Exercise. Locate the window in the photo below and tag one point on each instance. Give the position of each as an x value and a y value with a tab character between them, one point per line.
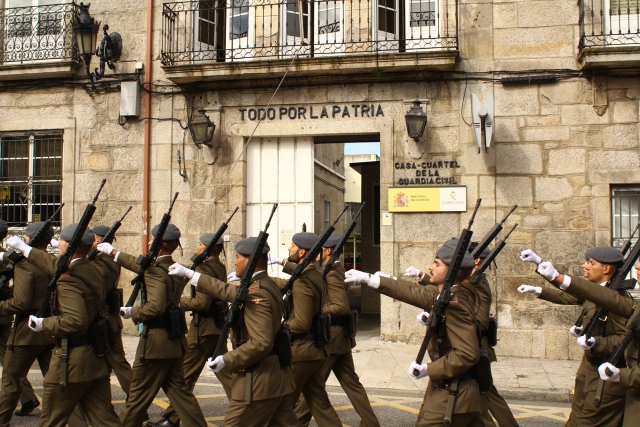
240	29
30	177
327	214
621	17
624	213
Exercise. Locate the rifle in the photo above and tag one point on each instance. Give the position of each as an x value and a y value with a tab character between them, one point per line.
145	261
338	249
308	259
64	260
437	316
15	258
199	259
475	278
625	248
243	289
108	238
492	234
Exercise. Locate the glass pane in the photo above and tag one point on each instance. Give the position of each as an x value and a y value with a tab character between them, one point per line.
422	14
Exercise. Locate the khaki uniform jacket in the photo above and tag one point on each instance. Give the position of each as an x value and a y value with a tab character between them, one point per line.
162	290
29	289
461	347
305	302
261	319
75	307
212	267
337	305
7	319
111	272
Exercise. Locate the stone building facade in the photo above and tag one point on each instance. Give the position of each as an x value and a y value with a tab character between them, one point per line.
565	125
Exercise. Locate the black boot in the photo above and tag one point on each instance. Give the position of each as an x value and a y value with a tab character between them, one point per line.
27	407
164	422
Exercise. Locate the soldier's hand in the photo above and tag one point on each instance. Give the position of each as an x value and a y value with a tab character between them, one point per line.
35	323
528	288
412	272
19	244
106	248
54	243
615	372
356	276
216	364
125	312
422	318
274	259
586	344
529	256
231	277
422	370
180	270
575	330
388	276
547	270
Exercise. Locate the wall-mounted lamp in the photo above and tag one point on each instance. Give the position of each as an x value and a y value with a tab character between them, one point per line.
108	52
338	160
416	120
201	128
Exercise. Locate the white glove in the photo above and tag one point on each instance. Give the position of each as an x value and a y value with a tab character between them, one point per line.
603	374
356	276
547	270
19	244
231	277
37	323
381	274
105	248
125	312
273	260
412	272
180	270
586	344
216	364
575	331
422	318
54	243
528	288
529	256
422	369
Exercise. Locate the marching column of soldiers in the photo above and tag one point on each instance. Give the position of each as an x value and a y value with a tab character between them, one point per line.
287	336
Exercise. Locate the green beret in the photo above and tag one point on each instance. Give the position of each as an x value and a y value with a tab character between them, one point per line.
101	230
333	240
446	252
3	226
604	254
34	227
305	240
171	233
206	238
67	233
246	246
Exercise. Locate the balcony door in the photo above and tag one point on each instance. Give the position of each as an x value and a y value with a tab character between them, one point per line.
422	23
386	25
622	21
209	19
240	31
292	42
329	27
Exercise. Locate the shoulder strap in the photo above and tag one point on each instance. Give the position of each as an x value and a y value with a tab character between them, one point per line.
93	291
278	300
319	290
169	280
109	266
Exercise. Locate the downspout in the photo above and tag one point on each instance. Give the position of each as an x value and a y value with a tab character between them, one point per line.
147	130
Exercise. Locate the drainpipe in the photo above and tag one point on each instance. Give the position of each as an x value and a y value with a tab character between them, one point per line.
147	130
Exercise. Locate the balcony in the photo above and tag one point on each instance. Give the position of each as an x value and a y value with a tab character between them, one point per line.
610	34
242	40
37	42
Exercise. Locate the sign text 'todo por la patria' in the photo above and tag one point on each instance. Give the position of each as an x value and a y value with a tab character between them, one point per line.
293	112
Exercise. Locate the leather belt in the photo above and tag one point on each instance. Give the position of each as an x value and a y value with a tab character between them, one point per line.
157	323
339	321
80	341
596	361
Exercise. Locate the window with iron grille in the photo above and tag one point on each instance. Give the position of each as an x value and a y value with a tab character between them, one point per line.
625	201
30	177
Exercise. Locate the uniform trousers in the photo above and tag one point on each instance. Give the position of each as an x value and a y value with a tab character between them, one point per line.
345	371
18	362
94	397
276	412
148	378
609	413
632	408
27	393
499	409
577	401
431	419
311	384
194	362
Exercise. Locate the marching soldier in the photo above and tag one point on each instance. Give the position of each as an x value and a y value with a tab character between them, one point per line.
263	397
340	360
460	350
25	346
27	397
208	332
308	296
78	299
159	358
600	264
111	272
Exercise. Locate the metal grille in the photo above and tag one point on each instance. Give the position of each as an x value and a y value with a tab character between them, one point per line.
609	22
30	177
240	30
625	202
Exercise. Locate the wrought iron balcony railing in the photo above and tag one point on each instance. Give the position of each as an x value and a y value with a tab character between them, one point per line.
37	33
609	23
241	30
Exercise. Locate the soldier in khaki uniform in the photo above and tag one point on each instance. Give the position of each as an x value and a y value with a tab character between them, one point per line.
208	332
25	346
340	360
75	307
27	397
159	360
600	264
308	296
461	349
261	398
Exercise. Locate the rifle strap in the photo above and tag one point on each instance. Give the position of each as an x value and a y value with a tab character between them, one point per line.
64	362
319	290
93	290
109	266
451	401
